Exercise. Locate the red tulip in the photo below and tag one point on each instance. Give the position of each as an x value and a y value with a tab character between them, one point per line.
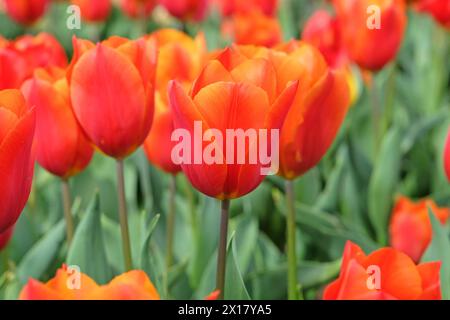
230	7
26	11
112	92
370	45
439	9
13	66
385	274
5	236
232	92
61	146
16	159
253	28
410	227
93	10
189	53
138	8
447	156
186	9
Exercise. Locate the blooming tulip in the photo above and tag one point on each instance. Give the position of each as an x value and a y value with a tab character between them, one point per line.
371	39
447	156
133	285
16	159
385	274
186	9
93	11
253	28
230	7
138	8
26	11
189	53
61	146
5	236
439	9
410	227
112	88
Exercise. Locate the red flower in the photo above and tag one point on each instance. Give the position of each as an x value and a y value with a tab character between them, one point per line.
61	146
186	9
410	226
447	156
370	45
439	9
16	160
138	8
385	274
93	10
26	11
230	7
112	92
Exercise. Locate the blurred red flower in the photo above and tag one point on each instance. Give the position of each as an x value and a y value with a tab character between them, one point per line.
61	146
186	9
447	156
439	9
230	7
26	11
93	10
138	8
385	274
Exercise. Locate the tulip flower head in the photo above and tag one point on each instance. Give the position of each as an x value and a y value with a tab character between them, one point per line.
447	156
61	146
186	9
112	92
138	8
93	11
410	227
17	124
231	7
385	274
26	11
438	9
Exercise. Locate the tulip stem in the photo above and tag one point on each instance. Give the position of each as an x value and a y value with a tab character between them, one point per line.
67	204
123	216
171	220
376	116
291	250
222	254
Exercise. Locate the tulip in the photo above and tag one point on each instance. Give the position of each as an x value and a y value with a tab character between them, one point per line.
138	8
133	285
13	67
253	28
61	146
5	236
93	11
447	156
26	11
16	159
186	9
385	274
438	9
410	226
112	93
370	45
231	7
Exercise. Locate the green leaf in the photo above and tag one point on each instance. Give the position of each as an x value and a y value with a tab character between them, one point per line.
87	249
40	257
234	283
383	183
439	250
144	252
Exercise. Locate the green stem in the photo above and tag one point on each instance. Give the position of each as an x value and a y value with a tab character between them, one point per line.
123	216
376	116
222	254
171	221
291	250
67	204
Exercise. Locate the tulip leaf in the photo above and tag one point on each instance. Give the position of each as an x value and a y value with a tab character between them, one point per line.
40	257
234	283
144	252
87	250
439	250
383	183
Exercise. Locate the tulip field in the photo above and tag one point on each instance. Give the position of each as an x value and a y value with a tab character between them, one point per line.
225	149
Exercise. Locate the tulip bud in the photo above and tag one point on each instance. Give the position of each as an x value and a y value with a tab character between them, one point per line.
93	11
26	11
138	8
438	9
16	160
61	146
186	9
112	92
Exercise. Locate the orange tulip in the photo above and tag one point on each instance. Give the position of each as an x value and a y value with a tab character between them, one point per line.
5	236
112	92
439	9
138	8
253	28
188	53
232	92
133	285
369	44
385	274
410	227
93	11
61	146
26	11
186	9
230	7
16	159
447	156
